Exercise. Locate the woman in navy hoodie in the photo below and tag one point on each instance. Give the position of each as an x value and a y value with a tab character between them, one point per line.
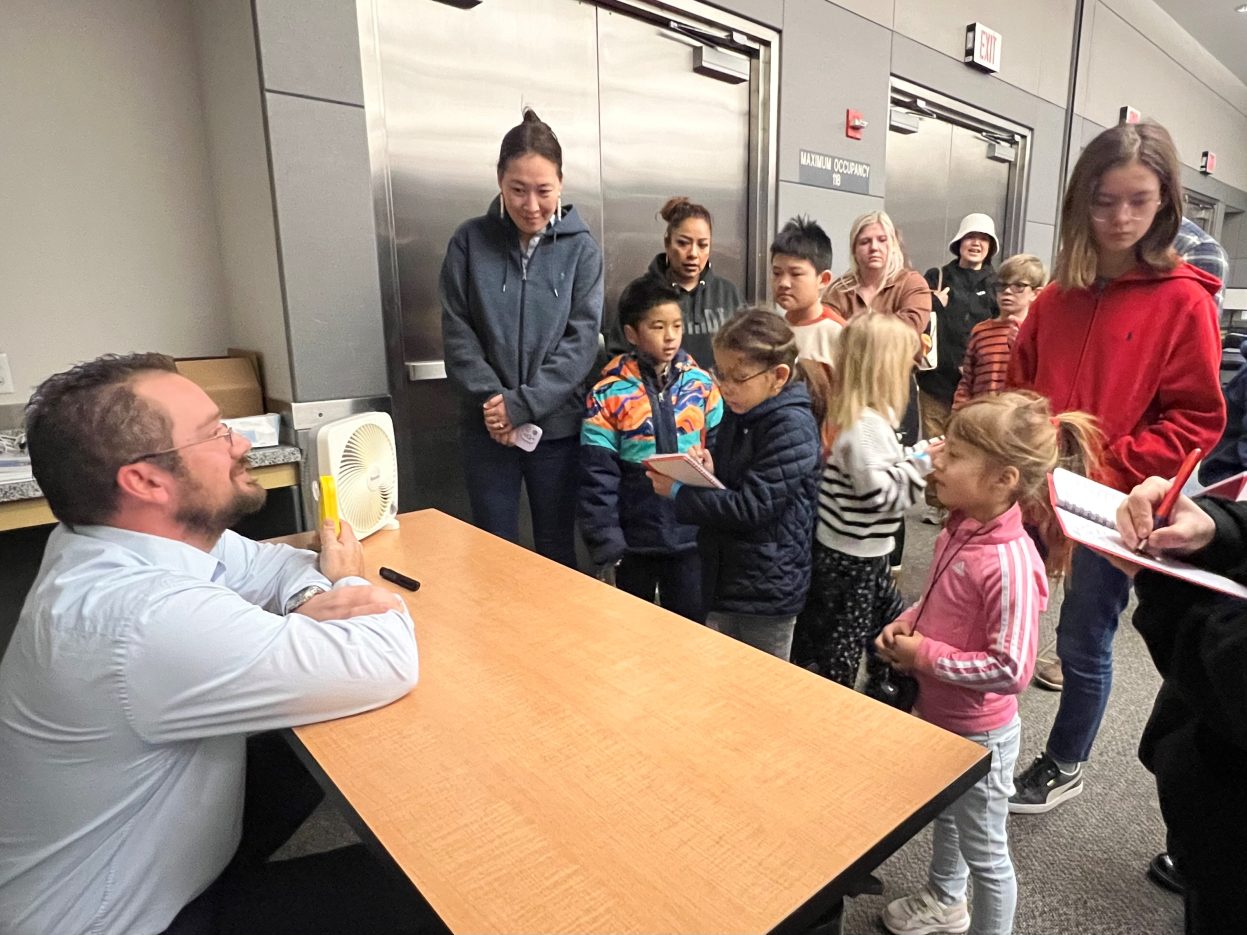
521	293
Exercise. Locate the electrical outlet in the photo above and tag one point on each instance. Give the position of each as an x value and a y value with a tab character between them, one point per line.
6	375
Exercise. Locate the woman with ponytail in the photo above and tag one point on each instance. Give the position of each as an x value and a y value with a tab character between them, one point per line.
521	292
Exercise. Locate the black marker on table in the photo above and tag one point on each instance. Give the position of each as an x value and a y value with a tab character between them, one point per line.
389	574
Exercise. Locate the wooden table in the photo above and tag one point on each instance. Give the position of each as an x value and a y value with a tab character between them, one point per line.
577	760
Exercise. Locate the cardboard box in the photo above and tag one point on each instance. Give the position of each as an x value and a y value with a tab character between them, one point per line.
231	383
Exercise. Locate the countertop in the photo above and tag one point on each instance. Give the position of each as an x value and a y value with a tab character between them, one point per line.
257	457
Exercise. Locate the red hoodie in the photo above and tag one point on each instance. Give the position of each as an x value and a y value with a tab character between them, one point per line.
1142	355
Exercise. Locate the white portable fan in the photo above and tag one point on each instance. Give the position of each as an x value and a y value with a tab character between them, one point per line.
358	452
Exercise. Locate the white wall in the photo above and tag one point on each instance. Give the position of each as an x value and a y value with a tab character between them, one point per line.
108	240
234	118
1139	56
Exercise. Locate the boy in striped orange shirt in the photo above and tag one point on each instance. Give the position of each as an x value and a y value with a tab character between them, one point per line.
986	362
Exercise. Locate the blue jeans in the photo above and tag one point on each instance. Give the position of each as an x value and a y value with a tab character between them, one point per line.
549	474
971	839
1096	595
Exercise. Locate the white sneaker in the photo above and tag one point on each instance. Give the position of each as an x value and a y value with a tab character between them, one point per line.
934	515
922	912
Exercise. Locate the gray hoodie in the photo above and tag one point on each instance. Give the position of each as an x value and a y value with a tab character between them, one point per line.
530	335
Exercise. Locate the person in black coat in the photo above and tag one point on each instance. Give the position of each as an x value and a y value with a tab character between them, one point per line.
756	534
706	298
1195	742
963	295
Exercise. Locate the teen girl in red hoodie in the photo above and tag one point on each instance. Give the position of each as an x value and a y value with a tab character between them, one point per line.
1128	333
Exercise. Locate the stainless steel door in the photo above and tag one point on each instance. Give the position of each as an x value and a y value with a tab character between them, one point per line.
443	86
917	189
667	130
937	176
637	125
454	81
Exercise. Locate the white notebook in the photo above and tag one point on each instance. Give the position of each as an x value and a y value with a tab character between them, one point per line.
684	468
1087	513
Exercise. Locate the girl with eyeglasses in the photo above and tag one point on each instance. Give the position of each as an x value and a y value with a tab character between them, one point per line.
754	534
1129	333
986	361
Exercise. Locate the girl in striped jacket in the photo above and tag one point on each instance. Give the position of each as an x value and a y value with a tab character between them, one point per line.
867	483
971	640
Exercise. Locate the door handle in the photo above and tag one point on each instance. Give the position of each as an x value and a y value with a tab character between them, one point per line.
419	370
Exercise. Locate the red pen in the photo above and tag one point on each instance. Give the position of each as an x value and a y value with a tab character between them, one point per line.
1161	517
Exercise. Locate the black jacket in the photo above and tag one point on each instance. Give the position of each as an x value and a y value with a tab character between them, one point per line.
705	308
971	299
756	536
1198	640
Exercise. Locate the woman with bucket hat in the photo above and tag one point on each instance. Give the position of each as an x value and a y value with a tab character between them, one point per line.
962	295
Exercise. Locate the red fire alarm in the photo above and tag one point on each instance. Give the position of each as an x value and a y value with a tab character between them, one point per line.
854	124
1208	164
1127	114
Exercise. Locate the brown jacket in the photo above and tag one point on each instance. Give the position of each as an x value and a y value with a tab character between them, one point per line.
907	296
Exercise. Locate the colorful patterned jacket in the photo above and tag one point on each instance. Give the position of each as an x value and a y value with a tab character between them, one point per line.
628	418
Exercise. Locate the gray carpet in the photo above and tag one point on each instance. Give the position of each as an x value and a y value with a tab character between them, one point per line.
1080	867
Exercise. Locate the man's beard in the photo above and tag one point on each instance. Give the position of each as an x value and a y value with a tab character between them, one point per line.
197	517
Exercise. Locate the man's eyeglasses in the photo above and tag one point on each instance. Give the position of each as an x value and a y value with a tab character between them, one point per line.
1016	288
223	432
724	380
1136	208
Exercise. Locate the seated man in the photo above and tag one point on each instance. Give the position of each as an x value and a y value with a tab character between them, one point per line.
151	644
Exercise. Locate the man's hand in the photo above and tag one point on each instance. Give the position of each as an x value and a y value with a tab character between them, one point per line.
340	555
1189	528
354	601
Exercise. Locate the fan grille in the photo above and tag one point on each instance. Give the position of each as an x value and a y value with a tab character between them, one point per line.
367	477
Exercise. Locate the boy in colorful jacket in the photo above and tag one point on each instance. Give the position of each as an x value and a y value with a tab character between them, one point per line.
653	399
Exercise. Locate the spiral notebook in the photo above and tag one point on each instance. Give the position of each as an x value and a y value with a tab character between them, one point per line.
1087	513
684	468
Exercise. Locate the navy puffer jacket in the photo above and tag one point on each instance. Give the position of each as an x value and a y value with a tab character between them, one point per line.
756	536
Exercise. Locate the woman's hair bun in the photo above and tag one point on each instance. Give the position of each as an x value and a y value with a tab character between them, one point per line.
673	204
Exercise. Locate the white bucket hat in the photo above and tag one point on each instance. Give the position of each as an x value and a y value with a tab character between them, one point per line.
976	224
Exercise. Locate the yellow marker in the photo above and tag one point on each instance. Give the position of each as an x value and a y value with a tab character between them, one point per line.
329	502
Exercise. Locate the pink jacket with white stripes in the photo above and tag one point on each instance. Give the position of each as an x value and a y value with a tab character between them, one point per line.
979	617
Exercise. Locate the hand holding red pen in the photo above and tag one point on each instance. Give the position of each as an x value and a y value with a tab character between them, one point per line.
1165	510
1188	528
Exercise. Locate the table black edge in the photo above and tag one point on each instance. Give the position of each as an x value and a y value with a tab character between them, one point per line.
358	825
806	916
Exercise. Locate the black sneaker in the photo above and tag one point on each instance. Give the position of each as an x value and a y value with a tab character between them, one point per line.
1042	786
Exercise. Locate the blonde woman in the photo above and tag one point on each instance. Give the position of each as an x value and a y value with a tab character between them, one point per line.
879	279
867	484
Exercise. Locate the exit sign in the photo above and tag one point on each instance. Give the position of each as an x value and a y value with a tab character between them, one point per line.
982	48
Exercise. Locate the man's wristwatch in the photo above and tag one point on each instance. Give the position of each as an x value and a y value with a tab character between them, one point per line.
299	598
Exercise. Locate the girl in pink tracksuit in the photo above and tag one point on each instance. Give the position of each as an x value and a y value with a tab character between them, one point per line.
971	640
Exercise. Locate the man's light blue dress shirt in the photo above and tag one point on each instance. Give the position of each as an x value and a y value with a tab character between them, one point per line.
136	670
